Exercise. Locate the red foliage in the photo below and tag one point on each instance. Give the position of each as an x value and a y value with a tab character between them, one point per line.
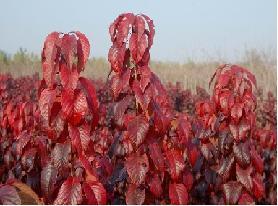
131	140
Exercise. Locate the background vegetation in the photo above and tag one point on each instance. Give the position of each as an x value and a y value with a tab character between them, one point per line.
190	73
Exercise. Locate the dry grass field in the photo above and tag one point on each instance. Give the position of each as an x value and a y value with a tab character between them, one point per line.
190	73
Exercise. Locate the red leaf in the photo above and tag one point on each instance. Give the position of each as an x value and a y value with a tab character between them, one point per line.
139	25
155	186
244	127
193	155
92	99
246	199
207	150
142	99
123	28
48	179
88	168
151	30
48	73
45	104
184	129
145	75
120	109
257	161
94	192
116	58
243	176
178	194
28	159
135	195
80	107
137	167
175	162
137	46
187	179
69	48
120	82
83	50
23	140
242	154
70	192
67	103
157	156
161	118
69	78
258	187
232	191
225	168
49	49
60	155
236	111
137	130
75	138
84	131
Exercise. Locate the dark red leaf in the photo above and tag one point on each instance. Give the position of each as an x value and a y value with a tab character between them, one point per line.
178	194
242	154
80	107
187	179
139	25
69	48
45	103
70	192
193	155
48	72
23	140
243	176
155	185
94	192
258	187
142	99
232	191
175	162
151	30
137	46
184	129
83	50
246	199
92	99
120	109
49	49
137	130
236	111
145	75
67	103
137	166
28	159
84	131
135	195
157	156
69	78
225	168
257	161
207	150
48	179
75	138
60	155
116	58
90	173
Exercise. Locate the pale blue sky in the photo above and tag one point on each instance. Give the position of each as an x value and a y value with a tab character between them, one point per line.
184	28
